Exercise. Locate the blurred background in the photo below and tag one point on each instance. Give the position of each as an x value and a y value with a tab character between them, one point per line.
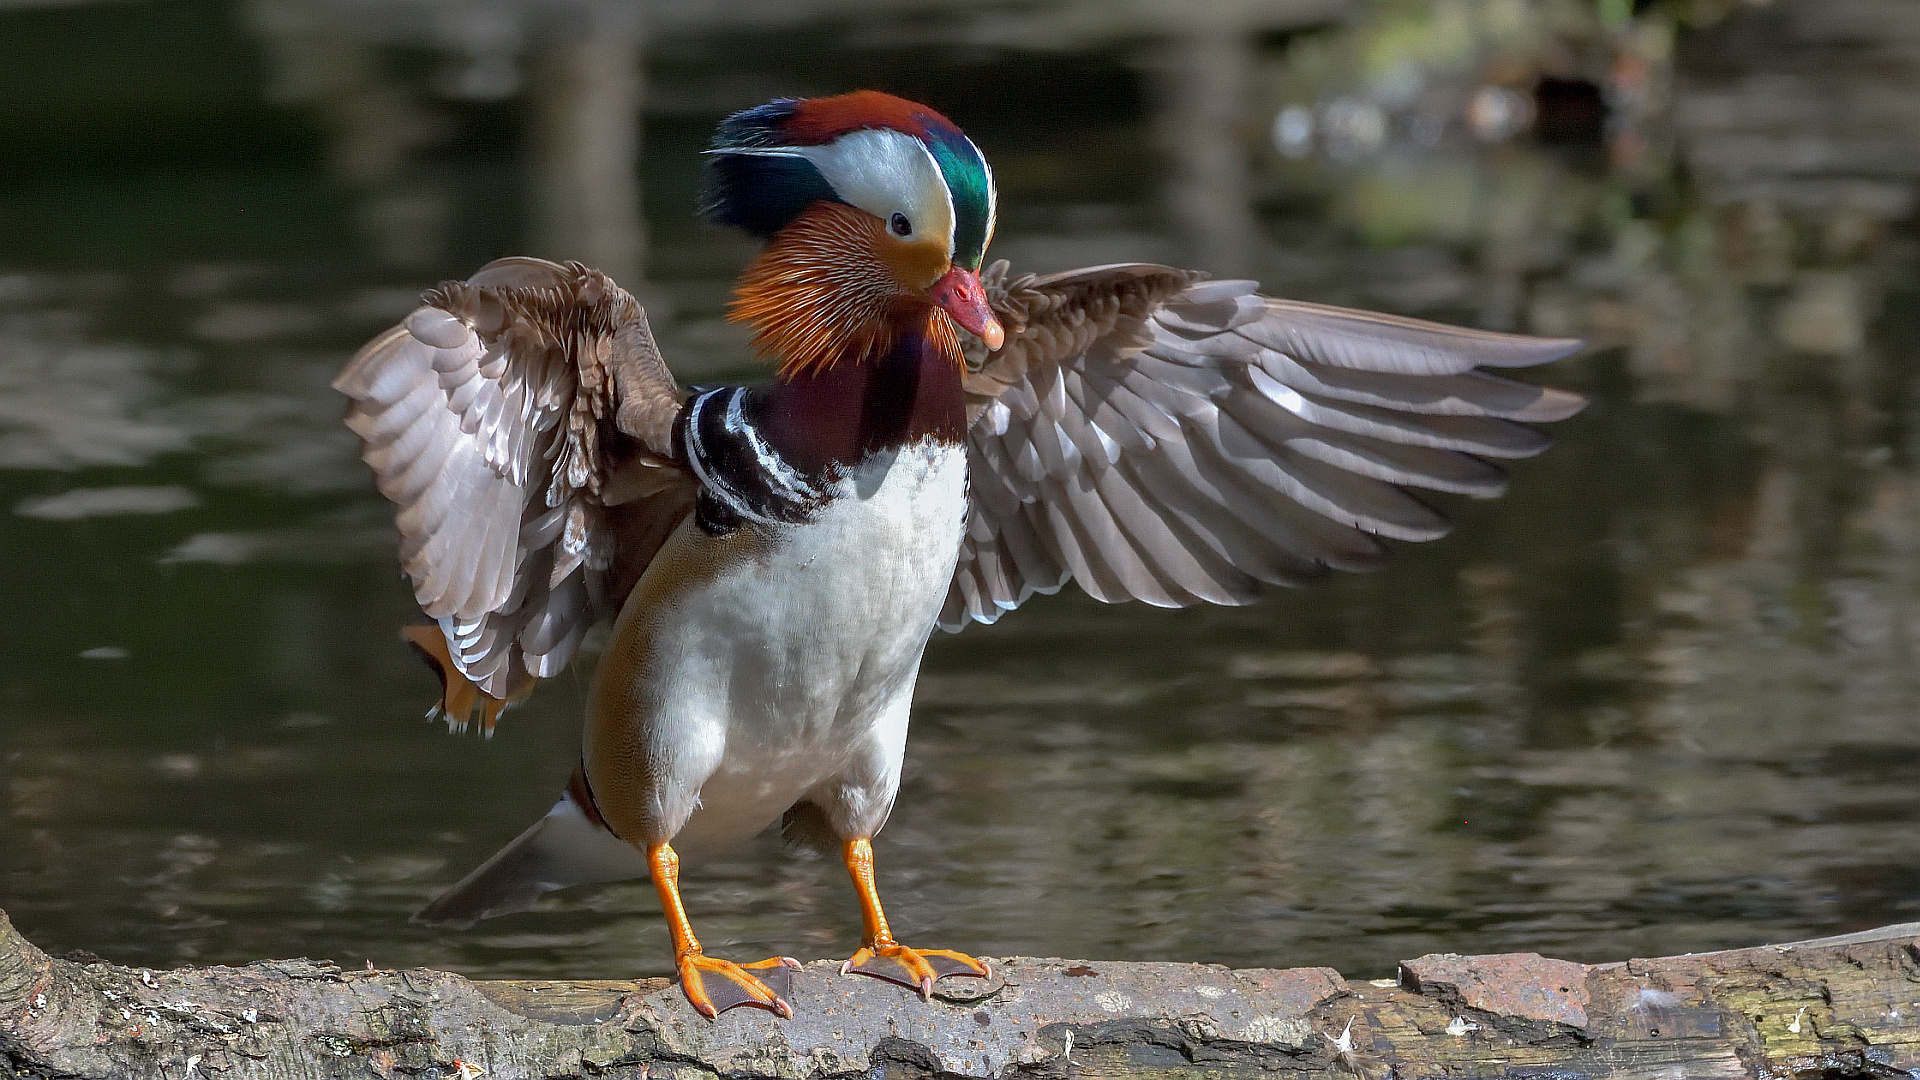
1662	697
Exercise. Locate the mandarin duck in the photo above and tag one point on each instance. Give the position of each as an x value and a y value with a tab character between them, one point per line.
939	443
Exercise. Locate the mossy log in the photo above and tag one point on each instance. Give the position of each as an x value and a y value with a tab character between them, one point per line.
1837	1007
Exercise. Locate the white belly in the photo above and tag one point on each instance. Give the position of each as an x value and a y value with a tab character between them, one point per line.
790	673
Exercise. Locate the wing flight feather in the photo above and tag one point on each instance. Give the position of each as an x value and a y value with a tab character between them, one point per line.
507	418
1160	437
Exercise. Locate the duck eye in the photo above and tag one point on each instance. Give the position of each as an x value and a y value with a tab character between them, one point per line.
900	225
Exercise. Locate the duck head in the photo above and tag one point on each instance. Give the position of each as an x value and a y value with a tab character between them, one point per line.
876	212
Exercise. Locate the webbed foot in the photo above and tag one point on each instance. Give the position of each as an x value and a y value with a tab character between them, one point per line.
915	968
713	985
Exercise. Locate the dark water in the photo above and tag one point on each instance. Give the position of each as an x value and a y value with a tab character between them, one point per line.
1661	697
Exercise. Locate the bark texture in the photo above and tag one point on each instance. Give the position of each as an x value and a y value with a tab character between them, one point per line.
1837	1007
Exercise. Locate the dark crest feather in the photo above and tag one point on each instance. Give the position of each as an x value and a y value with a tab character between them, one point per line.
755	127
754	192
760	193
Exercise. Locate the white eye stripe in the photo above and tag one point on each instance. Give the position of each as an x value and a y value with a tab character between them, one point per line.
883	172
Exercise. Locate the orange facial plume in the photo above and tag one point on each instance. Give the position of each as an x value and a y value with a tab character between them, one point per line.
822	293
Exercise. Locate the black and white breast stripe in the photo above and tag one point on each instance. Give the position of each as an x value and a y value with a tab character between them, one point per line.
742	479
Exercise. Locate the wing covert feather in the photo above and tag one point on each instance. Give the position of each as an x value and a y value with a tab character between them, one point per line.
1161	437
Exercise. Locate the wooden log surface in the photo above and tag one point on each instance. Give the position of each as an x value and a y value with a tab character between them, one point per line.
1836	1007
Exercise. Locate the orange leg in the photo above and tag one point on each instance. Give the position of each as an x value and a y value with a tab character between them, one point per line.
880	955
735	984
459	697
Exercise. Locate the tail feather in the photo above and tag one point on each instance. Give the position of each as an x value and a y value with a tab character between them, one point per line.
567	847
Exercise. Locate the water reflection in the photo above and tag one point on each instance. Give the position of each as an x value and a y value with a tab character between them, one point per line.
1659	698
69	402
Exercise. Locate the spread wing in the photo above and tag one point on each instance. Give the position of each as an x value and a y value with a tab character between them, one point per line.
1159	437
513	419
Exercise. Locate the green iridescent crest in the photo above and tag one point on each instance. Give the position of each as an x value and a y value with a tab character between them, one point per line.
971	183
